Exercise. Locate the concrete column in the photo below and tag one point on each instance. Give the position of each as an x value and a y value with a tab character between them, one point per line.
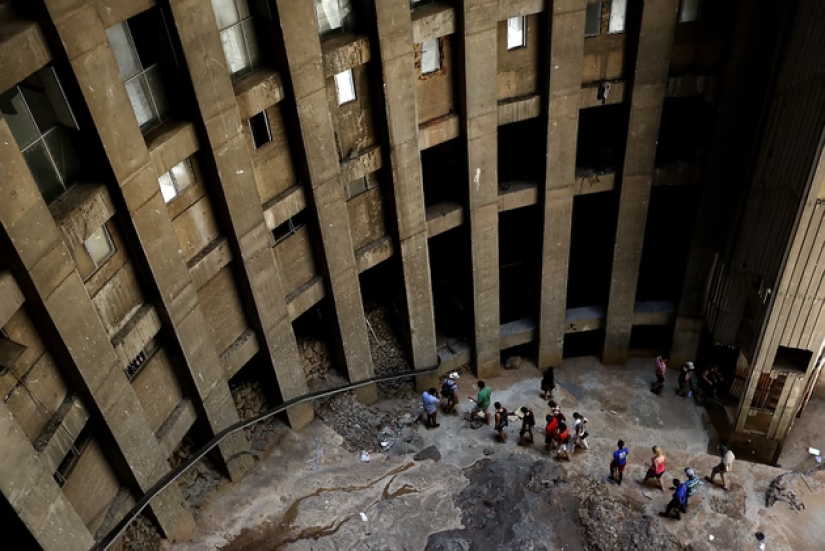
239	200
566	22
479	101
306	69
646	100
45	271
34	495
83	36
398	68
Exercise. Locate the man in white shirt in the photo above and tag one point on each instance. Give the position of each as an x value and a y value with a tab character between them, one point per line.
722	468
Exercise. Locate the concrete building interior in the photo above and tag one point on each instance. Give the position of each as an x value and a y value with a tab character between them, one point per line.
199	197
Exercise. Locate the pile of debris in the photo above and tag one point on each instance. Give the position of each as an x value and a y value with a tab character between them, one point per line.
317	359
386	351
200	480
250	399
781	489
140	535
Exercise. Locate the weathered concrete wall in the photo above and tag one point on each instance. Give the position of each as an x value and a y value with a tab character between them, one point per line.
91	486
222	309
272	163
519	69
435	92
295	254
366	217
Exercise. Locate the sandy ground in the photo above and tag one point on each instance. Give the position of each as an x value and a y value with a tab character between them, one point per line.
309	493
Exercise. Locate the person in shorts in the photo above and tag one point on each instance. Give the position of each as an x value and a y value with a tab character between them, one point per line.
562	437
501	421
579	434
657	468
722	468
449	391
482	401
660	371
528	421
430	401
618	463
548	383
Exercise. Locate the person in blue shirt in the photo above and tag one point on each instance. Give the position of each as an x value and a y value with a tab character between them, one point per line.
618	464
691	484
677	501
430	400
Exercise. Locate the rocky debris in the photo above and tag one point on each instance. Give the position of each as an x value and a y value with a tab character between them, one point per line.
513	362
430	452
318	365
200	480
141	535
781	489
387	352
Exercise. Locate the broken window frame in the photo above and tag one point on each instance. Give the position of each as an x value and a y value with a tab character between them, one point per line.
169	181
261	122
434	56
516	32
141	359
64	470
595	28
288	228
348	80
236	27
689	11
618	17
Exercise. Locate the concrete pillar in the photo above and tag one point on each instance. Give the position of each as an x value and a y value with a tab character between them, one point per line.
304	60
398	68
566	22
479	102
34	495
46	274
646	100
83	36
238	198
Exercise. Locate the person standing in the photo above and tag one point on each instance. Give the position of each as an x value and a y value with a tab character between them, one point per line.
711	380
528	421
677	502
722	468
482	401
548	382
660	372
562	437
579	435
430	400
550	430
685	373
618	464
449	390
657	467
501	421
691	484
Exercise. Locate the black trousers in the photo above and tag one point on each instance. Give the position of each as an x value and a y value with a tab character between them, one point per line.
674	504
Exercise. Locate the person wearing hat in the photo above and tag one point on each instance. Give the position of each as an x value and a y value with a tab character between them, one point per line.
684	380
722	468
691	484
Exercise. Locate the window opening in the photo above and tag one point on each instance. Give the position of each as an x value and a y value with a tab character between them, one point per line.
99	246
345	87
68	464
593	19
44	127
289	227
516	32
261	133
140	359
430	56
238	37
178	178
359	186
618	13
333	16
689	10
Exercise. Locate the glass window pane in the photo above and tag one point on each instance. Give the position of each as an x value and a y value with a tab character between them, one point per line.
261	134
234	49
139	96
345	87
20	122
99	245
40	107
182	174
516	32
618	11
593	21
251	43
331	14
689	10
59	143
167	187
121	43
225	13
57	97
155	80
43	171
430	56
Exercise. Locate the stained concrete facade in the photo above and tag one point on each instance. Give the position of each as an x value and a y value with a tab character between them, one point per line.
512	178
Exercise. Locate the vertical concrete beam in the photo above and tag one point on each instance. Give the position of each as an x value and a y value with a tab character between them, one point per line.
240	201
398	68
47	274
83	36
34	495
306	68
479	101
646	101
566	22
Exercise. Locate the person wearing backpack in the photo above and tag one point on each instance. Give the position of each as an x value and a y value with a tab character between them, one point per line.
501	421
449	390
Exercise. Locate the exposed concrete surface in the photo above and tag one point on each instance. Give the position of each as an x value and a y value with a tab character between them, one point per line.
807	432
308	492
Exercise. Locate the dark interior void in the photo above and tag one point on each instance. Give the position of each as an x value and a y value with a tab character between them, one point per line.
14	530
587	343
602	137
379	285
685	131
522	151
591	249
527	350
651	338
444	171
319	323
519	237
452	280
670	219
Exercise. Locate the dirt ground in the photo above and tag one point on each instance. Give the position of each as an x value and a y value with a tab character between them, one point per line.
309	493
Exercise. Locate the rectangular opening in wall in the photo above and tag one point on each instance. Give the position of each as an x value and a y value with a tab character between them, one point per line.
685	131
69	462
602	138
650	340
592	237
792	359
522	151
261	133
593	19
618	14
586	343
345	87
333	17
430	56
451	274
689	10
516	32
178	178
289	227
443	170
519	263
238	36
314	336
357	187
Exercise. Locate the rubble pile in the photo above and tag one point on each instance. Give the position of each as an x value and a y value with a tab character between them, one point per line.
141	535
200	480
317	360
387	353
250	399
781	489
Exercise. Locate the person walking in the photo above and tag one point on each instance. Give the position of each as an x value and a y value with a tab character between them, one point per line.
562	437
548	382
528	421
430	400
657	467
550	430
677	502
691	484
685	373
660	372
722	468
482	401
501	421
711	380
618	463
579	435
449	390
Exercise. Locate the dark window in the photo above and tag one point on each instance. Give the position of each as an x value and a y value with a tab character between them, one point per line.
359	186
289	227
261	134
593	20
69	462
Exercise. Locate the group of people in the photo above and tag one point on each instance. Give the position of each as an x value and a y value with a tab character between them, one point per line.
709	383
682	491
